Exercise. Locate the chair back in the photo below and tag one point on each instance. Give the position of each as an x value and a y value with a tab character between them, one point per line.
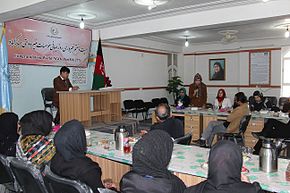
128	104
47	94
273	100
139	104
156	101
282	101
149	105
163	100
57	184
185	140
6	176
244	124
28	176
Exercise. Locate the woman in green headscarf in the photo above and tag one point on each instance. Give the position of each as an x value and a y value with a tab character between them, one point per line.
182	98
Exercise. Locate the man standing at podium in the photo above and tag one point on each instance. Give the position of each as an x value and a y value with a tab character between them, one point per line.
61	83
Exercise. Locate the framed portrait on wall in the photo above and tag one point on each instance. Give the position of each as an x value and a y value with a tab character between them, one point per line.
217	69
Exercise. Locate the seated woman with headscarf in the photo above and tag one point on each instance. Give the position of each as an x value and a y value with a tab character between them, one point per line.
8	134
70	160
224	172
221	101
34	144
182	98
150	161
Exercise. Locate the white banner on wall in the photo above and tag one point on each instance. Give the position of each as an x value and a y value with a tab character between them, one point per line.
260	68
15	75
79	76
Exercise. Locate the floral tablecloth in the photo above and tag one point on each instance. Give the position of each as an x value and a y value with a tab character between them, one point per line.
188	160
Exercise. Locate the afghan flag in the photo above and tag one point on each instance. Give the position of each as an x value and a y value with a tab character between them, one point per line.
99	73
5	83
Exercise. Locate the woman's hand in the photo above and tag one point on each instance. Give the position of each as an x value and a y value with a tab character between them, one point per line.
245	178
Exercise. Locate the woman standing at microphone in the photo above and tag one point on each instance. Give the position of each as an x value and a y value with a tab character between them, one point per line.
198	92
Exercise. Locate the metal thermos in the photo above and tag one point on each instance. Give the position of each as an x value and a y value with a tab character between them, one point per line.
268	157
120	134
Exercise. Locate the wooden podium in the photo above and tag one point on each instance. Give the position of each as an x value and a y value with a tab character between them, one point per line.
83	105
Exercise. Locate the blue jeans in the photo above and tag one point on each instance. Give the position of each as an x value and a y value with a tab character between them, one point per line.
213	128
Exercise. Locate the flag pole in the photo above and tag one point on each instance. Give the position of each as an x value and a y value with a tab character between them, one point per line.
2	32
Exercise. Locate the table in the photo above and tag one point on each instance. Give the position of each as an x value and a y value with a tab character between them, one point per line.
105	105
185	163
196	121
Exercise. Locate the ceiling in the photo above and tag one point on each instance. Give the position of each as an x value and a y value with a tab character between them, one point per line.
250	30
116	12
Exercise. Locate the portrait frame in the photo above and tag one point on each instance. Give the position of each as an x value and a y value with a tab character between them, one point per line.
220	75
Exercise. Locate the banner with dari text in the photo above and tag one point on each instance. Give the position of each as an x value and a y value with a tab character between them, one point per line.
42	43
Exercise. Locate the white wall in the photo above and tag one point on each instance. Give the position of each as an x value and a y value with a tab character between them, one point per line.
27	96
237	66
130	69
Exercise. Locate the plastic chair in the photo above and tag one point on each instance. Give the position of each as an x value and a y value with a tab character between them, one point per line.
163	100
28	176
57	184
238	138
129	107
6	175
156	101
272	99
148	106
185	140
140	107
282	101
47	96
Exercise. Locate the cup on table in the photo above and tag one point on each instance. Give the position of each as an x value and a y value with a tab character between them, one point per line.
105	143
127	146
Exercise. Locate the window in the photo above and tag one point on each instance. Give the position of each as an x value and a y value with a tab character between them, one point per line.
286	77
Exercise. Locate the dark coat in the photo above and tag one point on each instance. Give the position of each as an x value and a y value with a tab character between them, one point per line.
173	127
200	99
60	85
134	183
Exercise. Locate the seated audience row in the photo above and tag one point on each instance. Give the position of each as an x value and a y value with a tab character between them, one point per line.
67	153
150	174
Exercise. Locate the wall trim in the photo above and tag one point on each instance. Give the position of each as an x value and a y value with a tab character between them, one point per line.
241	86
209	86
231	52
134	49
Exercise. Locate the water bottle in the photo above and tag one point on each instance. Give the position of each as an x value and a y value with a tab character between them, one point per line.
120	135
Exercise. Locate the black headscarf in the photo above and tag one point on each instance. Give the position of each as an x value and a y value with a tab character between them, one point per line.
70	160
152	154
70	140
225	164
224	172
36	123
8	133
